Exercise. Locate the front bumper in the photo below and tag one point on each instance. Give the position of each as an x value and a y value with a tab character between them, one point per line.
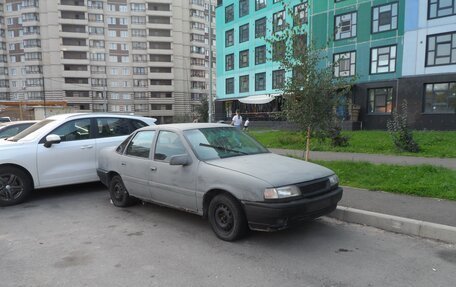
270	216
103	175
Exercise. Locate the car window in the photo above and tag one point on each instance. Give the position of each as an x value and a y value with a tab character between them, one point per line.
120	149
74	130
113	127
9	131
30	130
168	145
140	145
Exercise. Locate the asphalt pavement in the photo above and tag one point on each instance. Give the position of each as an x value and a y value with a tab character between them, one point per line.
412	215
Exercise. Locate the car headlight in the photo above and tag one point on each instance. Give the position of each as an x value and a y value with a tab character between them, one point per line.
281	192
333	180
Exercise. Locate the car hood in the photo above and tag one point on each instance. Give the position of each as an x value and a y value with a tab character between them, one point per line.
275	169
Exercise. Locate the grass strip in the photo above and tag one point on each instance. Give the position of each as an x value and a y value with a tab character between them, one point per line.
420	180
432	143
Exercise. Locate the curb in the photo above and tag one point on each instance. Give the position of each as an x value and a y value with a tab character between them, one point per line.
396	224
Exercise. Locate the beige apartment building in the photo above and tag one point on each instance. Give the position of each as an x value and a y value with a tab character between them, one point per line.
147	57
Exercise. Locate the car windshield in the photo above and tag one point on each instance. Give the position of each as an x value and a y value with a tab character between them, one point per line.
222	142
30	130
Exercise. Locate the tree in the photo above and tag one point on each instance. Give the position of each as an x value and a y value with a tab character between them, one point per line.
399	130
203	110
311	93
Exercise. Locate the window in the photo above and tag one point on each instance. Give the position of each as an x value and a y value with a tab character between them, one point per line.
299	44
244	84
278	79
229	38
278	21
441	49
243	33
229	62
441	8
114	127
168	145
345	26
260	55
243	7
383	60
440	98
244	59
140	145
345	64
300	14
380	101
278	50
260	4
260	28
229	86
260	81
74	130
229	13
384	18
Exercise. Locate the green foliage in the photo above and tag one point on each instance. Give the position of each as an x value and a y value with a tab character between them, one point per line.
400	133
203	110
420	180
432	143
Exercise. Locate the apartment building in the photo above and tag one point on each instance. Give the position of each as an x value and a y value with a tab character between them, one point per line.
395	50
148	57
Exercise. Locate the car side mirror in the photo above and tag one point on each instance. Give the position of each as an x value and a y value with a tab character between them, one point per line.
181	159
52	139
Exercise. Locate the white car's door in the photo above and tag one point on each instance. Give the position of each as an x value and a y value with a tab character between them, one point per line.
71	161
135	165
174	185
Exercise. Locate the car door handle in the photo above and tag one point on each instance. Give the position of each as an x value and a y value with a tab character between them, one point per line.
86	146
153	168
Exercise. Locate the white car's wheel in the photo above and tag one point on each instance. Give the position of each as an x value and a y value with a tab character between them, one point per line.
15	186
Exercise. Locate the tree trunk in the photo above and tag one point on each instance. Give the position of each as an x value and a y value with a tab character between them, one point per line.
308	144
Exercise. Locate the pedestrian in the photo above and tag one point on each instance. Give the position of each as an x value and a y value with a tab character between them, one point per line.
237	120
246	125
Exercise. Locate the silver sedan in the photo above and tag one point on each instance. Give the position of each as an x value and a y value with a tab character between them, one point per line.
218	172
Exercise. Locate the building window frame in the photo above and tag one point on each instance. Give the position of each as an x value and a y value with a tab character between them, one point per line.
244	84
349	67
278	21
353	24
229	62
244	33
260	4
380	98
260	55
243	58
300	15
260	81
229	38
435	4
377	12
432	48
229	13
260	27
243	8
375	59
278	79
433	97
229	86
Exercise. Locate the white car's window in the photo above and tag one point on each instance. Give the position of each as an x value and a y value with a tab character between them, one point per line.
113	127
30	130
215	143
74	130
141	144
168	145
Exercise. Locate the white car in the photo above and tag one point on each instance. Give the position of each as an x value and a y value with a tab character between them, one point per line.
59	150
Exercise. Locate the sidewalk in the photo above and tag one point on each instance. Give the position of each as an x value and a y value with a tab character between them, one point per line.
411	215
373	158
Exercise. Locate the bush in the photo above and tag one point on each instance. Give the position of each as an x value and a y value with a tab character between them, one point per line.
400	133
337	139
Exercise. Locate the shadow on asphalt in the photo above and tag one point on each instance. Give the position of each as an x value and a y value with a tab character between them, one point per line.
65	191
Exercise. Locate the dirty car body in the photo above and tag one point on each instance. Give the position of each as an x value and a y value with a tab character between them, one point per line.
189	166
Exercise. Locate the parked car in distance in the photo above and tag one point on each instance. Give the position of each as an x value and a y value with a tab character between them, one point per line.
5	119
9	129
218	172
59	150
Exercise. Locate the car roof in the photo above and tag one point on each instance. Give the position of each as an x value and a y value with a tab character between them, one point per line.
82	115
186	126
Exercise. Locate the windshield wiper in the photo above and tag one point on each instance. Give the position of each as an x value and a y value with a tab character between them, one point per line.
222	148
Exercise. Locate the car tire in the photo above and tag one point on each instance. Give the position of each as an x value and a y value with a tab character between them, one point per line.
227	217
15	185
119	194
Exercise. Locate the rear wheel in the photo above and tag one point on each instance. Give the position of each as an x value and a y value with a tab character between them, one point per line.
15	186
227	218
119	194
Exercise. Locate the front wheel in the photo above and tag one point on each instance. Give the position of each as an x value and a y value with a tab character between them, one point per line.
119	194
227	218
15	186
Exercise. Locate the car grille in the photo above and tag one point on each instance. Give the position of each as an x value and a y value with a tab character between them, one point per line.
314	188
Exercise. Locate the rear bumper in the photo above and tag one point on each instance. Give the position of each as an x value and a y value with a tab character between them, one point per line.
275	216
103	175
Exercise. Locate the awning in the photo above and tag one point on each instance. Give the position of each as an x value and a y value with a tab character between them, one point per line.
258	99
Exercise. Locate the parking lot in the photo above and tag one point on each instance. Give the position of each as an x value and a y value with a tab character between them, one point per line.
73	236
